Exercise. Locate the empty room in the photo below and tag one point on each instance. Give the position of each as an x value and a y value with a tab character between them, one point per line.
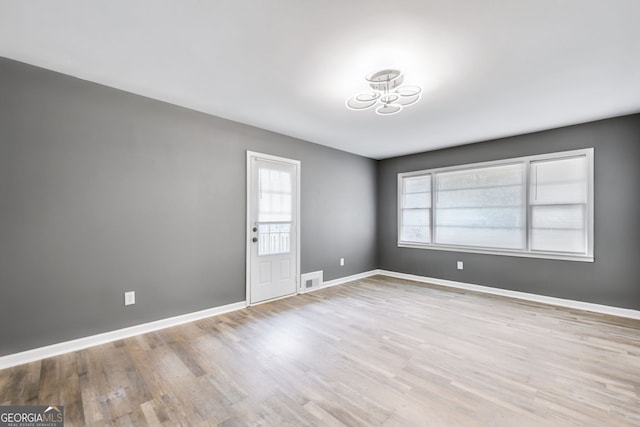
319	213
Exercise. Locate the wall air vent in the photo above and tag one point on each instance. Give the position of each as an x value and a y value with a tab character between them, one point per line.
311	281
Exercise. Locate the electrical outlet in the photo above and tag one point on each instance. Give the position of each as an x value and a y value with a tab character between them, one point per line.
341	261
460	265
129	298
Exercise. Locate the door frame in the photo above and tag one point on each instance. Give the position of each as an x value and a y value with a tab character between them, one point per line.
248	235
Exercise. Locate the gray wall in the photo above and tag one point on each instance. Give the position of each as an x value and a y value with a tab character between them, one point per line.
102	191
612	279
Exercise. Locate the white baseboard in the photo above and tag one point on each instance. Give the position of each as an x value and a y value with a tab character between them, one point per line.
342	280
85	342
579	305
82	343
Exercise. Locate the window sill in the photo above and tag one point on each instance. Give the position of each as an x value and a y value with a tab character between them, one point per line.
538	255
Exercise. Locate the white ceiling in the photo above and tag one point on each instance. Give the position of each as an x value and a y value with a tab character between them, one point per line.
488	68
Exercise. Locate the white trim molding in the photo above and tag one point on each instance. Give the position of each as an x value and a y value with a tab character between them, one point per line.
560	302
338	281
346	279
106	337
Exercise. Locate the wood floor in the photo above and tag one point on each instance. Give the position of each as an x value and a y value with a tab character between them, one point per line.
377	351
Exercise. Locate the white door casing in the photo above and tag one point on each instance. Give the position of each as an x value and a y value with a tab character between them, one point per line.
273	227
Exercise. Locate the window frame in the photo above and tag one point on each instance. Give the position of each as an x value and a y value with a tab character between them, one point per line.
527	252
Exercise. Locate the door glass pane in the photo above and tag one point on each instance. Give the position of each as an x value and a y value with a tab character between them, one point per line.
274	198
274	239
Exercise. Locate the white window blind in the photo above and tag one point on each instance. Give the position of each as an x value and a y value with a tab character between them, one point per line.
416	209
558	205
275	200
481	207
539	206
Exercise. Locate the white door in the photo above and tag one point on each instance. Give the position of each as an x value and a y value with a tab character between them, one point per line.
272	227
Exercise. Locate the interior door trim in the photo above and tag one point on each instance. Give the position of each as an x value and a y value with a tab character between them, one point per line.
297	164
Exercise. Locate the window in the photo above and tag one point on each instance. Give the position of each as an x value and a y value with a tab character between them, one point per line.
537	206
416	209
481	207
275	211
559	205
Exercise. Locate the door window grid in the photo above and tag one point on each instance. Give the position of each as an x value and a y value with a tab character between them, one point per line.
274	239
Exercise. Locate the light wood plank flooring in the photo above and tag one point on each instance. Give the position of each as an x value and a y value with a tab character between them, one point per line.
377	351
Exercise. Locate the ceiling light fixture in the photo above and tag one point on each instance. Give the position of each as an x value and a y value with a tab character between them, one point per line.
389	96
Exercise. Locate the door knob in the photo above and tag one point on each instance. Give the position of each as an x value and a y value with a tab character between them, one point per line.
255	239
255	229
